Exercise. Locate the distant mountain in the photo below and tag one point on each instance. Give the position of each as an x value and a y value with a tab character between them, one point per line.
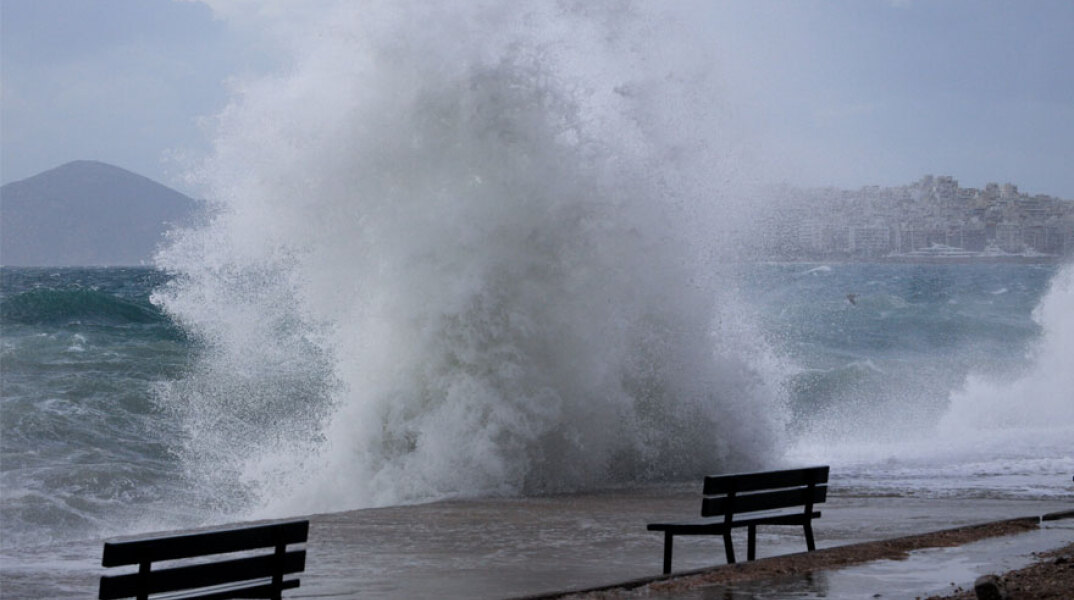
87	213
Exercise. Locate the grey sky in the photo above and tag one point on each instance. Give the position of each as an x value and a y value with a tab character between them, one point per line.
848	93
123	81
854	92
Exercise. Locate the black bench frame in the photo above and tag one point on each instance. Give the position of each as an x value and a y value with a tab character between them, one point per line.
250	576
742	499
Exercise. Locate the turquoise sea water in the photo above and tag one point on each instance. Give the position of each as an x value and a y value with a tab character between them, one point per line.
84	444
890	388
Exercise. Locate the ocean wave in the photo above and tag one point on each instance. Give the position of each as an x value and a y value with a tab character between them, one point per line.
47	306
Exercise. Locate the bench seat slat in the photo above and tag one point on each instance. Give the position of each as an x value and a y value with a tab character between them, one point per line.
716	526
768	480
759	501
199	544
200	575
695	528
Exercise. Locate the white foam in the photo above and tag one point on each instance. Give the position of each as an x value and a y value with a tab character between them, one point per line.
817	270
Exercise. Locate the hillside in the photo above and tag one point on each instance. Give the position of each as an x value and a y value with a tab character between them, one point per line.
87	213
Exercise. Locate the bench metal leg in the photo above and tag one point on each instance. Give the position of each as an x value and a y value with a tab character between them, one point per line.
751	547
808	526
668	541
729	547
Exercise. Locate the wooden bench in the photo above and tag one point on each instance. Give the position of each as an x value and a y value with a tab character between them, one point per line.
252	574
749	500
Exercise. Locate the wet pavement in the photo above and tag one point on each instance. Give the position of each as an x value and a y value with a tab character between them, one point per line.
505	548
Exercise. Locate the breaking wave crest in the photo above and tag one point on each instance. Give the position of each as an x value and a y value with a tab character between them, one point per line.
1039	402
47	306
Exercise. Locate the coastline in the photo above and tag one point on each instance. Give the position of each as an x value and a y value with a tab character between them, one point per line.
922	260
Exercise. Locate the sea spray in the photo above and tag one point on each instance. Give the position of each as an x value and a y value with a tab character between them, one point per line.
1040	402
960	392
461	251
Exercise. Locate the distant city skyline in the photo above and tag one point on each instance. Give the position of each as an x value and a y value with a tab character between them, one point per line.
932	218
845	93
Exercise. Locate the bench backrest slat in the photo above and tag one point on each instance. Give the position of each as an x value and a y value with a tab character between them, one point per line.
804	496
203	544
769	480
265	590
200	575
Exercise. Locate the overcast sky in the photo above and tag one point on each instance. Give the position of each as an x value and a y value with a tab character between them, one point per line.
846	93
